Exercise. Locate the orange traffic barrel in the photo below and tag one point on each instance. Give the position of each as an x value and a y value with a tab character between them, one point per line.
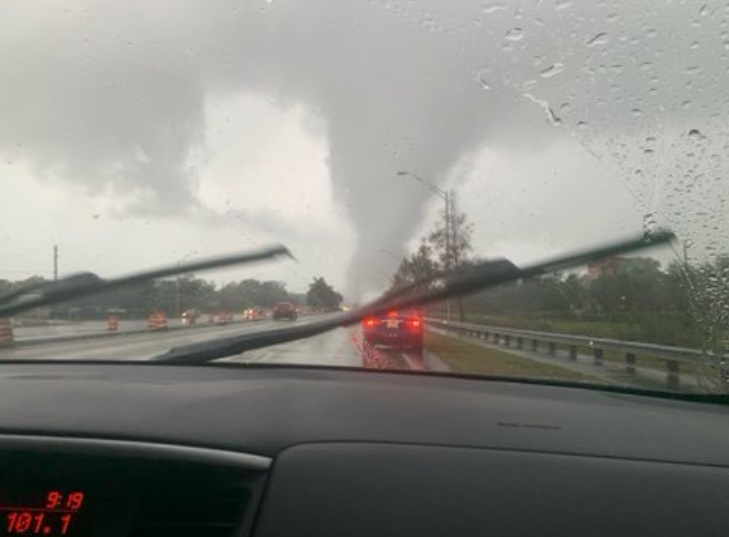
6	332
224	318
112	323
157	321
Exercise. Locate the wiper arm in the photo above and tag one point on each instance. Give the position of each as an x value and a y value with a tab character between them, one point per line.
479	277
85	284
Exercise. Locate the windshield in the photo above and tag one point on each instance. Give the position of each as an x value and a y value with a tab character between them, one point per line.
384	143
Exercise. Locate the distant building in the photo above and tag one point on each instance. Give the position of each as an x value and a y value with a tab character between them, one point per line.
607	267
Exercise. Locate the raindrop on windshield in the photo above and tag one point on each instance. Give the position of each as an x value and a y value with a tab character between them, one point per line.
515	34
552	70
562	4
705	11
695	134
428	23
488	9
599	39
482	80
649	224
582	125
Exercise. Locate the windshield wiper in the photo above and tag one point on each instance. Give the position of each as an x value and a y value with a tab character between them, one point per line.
480	276
87	283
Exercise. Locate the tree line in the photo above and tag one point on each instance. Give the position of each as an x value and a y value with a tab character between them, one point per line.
629	298
174	296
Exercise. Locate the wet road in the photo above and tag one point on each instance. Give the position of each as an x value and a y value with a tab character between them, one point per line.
340	347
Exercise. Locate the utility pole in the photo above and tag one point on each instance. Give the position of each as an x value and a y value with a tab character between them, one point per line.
446	197
55	262
448	226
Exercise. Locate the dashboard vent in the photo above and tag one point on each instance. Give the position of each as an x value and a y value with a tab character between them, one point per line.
191	504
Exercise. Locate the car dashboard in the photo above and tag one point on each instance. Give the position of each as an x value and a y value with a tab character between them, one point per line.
139	449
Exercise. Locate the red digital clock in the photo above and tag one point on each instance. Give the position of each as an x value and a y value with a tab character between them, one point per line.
49	513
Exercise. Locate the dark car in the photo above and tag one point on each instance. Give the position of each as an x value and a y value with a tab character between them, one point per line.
284	310
395	329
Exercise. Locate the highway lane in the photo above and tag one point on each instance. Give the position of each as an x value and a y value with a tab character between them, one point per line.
66	329
134	346
340	347
335	348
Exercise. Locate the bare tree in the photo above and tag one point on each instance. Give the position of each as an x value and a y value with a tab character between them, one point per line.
451	240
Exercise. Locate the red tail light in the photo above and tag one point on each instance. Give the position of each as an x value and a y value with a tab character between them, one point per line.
392	314
370	322
414	323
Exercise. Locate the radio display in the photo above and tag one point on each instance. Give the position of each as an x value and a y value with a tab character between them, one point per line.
43	512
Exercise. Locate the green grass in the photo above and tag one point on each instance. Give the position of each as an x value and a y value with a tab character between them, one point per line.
466	357
662	329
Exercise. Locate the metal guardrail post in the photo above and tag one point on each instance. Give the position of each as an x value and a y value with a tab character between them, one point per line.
671	356
672	372
630	363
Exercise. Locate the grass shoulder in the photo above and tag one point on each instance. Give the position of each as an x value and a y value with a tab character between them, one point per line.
466	357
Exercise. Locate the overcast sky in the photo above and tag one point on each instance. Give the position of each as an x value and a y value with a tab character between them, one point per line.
138	133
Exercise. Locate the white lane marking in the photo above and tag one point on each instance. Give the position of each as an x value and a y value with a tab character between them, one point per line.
408	360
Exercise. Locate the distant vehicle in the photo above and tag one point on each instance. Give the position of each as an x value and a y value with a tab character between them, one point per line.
395	329
190	317
284	310
253	314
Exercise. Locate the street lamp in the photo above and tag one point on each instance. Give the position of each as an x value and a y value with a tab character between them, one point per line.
177	282
445	196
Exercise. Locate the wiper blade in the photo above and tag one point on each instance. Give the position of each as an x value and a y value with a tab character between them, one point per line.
479	277
87	283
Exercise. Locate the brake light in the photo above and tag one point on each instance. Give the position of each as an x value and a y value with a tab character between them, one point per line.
414	323
392	314
370	322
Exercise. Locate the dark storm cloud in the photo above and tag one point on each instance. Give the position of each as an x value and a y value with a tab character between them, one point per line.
112	95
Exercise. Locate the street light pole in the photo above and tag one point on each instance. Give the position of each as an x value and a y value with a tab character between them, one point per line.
443	194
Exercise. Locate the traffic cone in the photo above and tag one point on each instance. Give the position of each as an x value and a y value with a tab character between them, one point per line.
157	321
6	333
112	323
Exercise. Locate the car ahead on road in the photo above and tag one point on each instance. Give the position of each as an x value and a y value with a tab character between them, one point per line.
284	310
253	314
190	317
395	329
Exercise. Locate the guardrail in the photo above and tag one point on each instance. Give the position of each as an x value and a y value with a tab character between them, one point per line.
673	357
